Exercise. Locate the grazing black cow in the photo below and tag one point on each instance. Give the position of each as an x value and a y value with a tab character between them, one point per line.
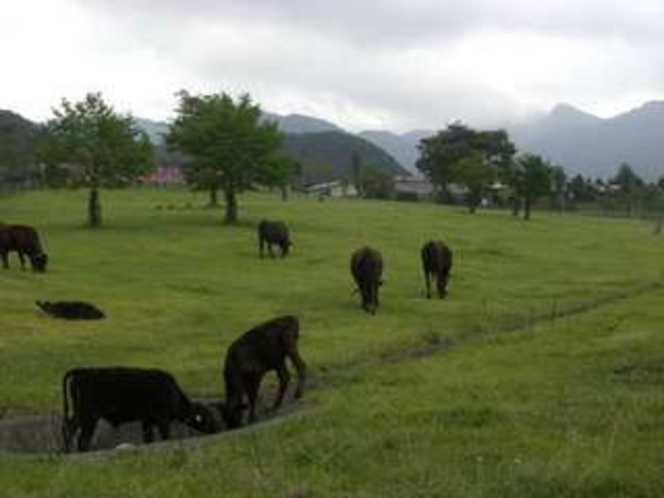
124	394
25	241
436	262
71	310
273	232
261	349
366	265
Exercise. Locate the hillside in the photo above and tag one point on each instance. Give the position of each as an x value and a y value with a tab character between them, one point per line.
328	155
17	137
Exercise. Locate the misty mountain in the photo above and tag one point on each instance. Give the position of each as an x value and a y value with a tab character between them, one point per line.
156	130
593	146
402	147
574	139
17	140
327	156
298	123
291	123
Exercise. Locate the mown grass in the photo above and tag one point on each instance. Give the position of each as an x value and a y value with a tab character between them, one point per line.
562	405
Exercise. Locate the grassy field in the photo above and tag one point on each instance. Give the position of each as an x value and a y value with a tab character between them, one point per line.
552	384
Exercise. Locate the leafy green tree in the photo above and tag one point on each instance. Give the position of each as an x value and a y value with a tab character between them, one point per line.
629	185
97	147
477	174
440	153
281	173
533	180
230	147
375	183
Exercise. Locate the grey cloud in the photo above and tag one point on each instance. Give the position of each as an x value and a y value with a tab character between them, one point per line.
353	56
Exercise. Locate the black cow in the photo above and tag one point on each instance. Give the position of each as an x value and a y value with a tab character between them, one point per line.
261	349
25	241
124	394
436	262
273	232
366	265
71	310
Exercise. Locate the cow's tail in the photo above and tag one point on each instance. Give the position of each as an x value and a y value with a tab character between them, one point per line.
67	420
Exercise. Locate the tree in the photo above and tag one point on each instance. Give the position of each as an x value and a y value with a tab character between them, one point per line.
231	148
281	171
559	181
375	183
358	173
477	174
97	146
629	184
440	153
533	180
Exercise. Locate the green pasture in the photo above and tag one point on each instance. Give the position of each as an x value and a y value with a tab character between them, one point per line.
552	384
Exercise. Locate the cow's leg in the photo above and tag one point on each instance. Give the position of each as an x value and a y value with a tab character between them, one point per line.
284	379
5	259
261	247
252	384
148	434
69	428
164	426
301	369
270	250
427	280
21	257
88	426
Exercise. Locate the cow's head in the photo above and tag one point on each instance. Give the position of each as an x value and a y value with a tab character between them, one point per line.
202	419
285	247
231	413
442	287
39	262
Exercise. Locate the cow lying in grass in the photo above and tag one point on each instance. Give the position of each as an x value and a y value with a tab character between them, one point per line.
273	232
261	349
436	263
71	310
366	266
124	394
25	241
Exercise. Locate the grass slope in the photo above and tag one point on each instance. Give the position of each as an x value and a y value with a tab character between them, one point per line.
553	386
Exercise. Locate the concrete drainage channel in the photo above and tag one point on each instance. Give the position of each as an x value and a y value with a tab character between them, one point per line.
42	434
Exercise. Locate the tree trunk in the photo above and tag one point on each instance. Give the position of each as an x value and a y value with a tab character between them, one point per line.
212	203
94	208
516	206
284	192
231	206
526	209
658	225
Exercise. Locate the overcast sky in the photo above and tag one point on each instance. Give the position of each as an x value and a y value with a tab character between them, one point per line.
393	64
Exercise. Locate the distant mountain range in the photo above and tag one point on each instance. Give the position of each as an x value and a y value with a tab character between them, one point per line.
567	136
324	150
593	146
578	141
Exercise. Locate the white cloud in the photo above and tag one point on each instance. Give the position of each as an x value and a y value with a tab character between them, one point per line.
363	64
